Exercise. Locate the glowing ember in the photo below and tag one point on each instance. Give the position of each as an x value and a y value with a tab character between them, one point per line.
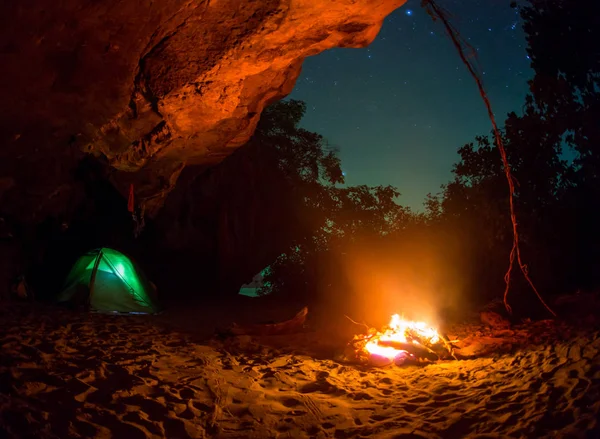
389	343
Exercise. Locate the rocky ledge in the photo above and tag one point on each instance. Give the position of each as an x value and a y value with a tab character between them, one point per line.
149	86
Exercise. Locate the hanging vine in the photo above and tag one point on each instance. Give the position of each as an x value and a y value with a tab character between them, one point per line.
436	13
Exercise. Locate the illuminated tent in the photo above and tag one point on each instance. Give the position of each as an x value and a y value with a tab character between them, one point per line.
108	281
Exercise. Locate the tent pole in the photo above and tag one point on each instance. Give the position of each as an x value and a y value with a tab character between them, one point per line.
93	277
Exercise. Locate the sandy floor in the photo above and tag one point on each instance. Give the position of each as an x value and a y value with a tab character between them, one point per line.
65	375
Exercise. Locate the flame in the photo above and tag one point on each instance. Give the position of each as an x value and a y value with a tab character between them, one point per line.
401	331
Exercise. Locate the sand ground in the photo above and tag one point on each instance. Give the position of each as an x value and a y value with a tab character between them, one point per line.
65	374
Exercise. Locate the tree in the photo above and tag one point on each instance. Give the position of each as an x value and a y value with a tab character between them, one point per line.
555	199
334	217
563	39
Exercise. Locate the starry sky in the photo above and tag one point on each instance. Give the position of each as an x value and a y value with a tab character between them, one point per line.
399	109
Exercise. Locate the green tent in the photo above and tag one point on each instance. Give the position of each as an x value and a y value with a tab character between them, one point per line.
108	281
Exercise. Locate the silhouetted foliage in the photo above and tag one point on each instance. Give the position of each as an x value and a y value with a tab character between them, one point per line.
553	150
334	216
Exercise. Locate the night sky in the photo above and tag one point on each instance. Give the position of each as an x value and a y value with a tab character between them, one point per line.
399	109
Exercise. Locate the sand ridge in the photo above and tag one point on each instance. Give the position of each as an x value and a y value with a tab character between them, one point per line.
74	375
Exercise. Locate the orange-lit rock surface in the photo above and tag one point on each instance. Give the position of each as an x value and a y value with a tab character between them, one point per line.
150	86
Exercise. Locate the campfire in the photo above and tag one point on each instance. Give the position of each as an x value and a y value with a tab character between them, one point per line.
401	342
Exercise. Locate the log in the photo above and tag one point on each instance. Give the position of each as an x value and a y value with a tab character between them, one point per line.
418	351
291	326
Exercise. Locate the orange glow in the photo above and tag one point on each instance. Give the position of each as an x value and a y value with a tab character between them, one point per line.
399	331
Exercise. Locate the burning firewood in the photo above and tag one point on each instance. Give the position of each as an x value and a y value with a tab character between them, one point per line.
414	349
287	327
401	342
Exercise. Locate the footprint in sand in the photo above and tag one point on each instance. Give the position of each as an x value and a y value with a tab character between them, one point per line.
152	408
136	418
291	402
418	400
360	396
446	398
410	408
202	407
117	427
186	393
322	387
188	414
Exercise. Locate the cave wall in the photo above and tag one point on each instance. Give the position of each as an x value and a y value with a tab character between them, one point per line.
148	87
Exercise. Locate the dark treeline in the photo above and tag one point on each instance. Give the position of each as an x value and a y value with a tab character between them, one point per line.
460	245
553	151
